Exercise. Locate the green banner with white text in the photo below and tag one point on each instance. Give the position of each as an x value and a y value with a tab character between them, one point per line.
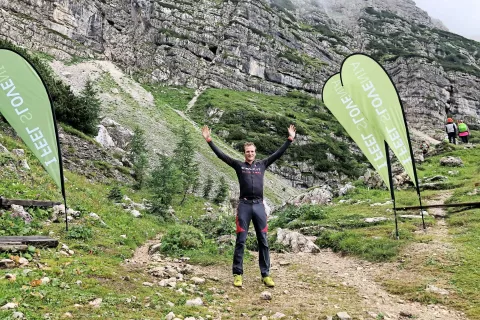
25	104
351	117
370	86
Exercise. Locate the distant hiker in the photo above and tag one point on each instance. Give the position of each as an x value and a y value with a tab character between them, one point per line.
451	129
251	208
424	146
463	131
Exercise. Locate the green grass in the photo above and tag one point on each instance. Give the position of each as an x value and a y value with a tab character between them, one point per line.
100	249
264	119
175	97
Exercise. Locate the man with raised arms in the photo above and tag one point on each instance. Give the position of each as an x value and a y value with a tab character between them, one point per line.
250	173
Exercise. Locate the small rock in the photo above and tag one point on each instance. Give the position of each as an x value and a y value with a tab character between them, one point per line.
434	289
11	277
194	302
343	316
7	264
265	295
96	303
67	315
278	315
10	305
170	316
18	315
148	284
198	280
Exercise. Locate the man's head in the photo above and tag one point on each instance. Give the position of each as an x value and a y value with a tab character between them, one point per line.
250	151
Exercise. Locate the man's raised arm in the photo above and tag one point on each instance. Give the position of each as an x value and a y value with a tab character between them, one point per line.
206	132
291	135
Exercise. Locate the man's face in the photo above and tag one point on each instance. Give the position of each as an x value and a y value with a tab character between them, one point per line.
250	153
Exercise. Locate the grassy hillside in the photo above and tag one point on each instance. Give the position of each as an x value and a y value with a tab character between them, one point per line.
97	269
263	119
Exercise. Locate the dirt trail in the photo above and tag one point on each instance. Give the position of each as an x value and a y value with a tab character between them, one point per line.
312	286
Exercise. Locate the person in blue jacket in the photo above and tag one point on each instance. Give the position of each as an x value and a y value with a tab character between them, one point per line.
250	173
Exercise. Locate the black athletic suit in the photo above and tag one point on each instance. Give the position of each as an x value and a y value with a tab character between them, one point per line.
250	207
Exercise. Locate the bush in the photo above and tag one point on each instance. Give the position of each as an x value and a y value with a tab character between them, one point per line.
115	194
215	225
180	238
349	242
80	233
222	191
15	226
292	213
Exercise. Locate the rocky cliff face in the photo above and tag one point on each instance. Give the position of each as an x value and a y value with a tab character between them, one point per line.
266	46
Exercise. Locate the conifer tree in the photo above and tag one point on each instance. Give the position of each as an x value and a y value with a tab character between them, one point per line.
137	155
184	155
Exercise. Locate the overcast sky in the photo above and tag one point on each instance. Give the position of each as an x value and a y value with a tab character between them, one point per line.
459	16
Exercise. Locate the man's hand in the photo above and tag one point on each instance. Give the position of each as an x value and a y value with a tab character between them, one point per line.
292	131
206	132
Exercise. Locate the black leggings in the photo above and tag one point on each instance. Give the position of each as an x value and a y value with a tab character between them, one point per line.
451	137
246	212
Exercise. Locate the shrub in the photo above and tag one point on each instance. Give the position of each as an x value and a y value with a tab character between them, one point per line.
180	238
208	187
15	226
80	233
215	225
115	194
222	191
292	213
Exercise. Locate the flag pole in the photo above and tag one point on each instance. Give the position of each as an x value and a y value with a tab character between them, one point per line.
392	192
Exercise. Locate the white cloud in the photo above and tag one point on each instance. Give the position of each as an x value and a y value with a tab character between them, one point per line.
460	16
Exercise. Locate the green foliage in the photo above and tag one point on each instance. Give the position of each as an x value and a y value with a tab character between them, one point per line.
215	225
80	233
15	226
291	213
137	155
264	120
222	191
453	52
115	194
164	183
207	188
283	4
80	112
185	161
83	112
372	249
180	238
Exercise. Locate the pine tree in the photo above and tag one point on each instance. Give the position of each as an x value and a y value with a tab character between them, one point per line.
84	115
222	191
207	188
164	183
138	156
184	155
